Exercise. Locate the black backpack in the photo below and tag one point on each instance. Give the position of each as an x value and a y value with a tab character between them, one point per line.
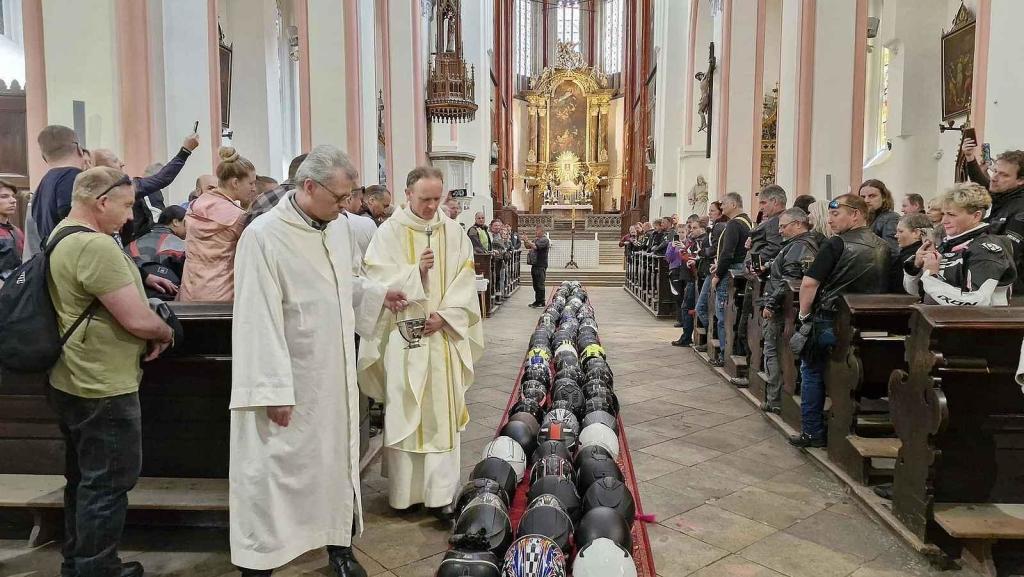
30	341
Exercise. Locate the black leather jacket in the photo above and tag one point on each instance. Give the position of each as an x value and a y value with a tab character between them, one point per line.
766	240
862	268
1006	218
968	261
790	264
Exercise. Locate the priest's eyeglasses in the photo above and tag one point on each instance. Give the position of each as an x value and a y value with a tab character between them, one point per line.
339	198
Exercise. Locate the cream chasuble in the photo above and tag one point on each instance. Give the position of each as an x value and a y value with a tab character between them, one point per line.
424	389
297	303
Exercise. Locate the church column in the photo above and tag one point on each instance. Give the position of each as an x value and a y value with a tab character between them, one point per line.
408	53
35	85
133	72
672	37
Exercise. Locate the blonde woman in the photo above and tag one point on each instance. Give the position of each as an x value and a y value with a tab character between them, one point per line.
972	266
818	211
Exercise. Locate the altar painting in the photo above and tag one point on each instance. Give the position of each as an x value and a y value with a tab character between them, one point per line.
568	120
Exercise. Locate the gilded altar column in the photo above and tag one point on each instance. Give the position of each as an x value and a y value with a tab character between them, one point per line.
602	134
531	155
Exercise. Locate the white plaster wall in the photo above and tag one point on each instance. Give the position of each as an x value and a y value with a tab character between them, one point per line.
789	59
773	32
368	89
1004	125
742	98
405	102
673	44
83	70
521	144
831	126
329	83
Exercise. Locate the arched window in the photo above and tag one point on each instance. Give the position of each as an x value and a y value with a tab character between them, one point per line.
613	36
567	21
523	49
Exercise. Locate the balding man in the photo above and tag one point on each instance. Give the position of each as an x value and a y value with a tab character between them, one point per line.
205	183
479	235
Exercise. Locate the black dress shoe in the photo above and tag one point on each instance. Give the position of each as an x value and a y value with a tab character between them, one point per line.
884	491
678	325
682	343
255	572
717	362
343	562
803	440
445	514
132	569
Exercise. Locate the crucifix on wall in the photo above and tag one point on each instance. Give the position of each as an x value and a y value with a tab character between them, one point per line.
707	92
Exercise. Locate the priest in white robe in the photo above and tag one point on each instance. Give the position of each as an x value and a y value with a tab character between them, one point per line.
294	472
423	389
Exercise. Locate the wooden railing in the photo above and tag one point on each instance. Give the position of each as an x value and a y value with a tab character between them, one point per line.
503	278
647	280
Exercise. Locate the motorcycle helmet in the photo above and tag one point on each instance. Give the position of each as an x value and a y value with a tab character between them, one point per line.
592	362
612	493
603	522
604	402
539	373
562	489
544	352
594	350
601	417
510	451
534	556
588	319
546	448
529	420
554	465
549	521
533	390
564	382
572	373
559	430
528	406
566	416
596	389
498	470
563	404
464	563
599	373
476	487
483	525
521	433
596	463
572	393
603	558
600	434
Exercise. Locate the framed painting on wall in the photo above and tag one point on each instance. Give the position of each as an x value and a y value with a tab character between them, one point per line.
957	69
225	86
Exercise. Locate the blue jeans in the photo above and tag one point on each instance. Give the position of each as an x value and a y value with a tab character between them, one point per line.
814	361
702	303
102	460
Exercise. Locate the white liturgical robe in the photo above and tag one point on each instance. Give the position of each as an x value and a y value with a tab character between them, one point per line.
423	389
297	303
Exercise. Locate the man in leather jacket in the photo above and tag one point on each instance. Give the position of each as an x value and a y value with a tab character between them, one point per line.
1005	182
855	260
799	247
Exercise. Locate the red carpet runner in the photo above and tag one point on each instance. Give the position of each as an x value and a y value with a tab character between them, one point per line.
642	555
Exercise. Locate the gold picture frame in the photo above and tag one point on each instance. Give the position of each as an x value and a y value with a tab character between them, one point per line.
958	68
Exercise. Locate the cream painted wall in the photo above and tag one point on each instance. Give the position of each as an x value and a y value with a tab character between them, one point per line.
785	160
773	32
831	126
405	102
88	72
328	84
1004	124
673	44
741	137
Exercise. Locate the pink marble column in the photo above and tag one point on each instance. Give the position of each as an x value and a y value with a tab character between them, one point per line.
305	108
353	102
213	41
133	70
35	85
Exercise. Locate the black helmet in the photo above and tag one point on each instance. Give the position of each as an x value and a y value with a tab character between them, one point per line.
463	563
563	404
597	372
596	389
476	487
521	433
562	489
533	390
483	525
565	382
613	493
555	465
571	372
549	521
537	373
570	392
565	431
564	415
595	463
592	362
600	417
546	448
528	406
603	522
534	556
608	403
528	419
497	470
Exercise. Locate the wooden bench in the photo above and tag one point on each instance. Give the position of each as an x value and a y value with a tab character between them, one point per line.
979	526
735	365
43	496
870	332
756	376
959	414
648	283
788	362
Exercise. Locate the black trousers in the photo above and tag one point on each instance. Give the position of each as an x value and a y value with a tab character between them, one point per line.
538	273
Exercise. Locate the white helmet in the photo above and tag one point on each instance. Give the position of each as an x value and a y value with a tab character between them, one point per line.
602	435
603	558
506	449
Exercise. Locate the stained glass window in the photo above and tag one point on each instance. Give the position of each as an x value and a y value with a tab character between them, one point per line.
523	52
882	141
568	21
613	35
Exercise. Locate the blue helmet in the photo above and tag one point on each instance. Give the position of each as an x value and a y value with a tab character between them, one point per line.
534	556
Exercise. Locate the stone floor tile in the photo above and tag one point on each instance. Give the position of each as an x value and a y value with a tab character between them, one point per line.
678	555
398	544
722	441
848	508
647	466
797	557
719	527
858	537
671	426
689	480
422	568
735	566
743	470
639	438
476	431
776	451
754	425
665	503
682	452
775	510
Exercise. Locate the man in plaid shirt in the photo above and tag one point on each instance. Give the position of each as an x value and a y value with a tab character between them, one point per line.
12	240
268	200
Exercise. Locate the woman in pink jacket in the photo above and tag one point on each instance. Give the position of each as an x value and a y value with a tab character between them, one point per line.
213	224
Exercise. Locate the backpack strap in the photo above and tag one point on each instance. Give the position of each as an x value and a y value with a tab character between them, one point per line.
51	244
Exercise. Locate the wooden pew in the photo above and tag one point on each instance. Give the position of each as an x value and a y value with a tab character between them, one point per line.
648	283
482	263
735	365
700	332
870	332
960	417
790	363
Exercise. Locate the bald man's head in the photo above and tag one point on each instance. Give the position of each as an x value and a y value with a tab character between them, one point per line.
205	183
106	157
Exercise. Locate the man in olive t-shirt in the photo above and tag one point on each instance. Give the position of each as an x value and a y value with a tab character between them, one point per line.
94	385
